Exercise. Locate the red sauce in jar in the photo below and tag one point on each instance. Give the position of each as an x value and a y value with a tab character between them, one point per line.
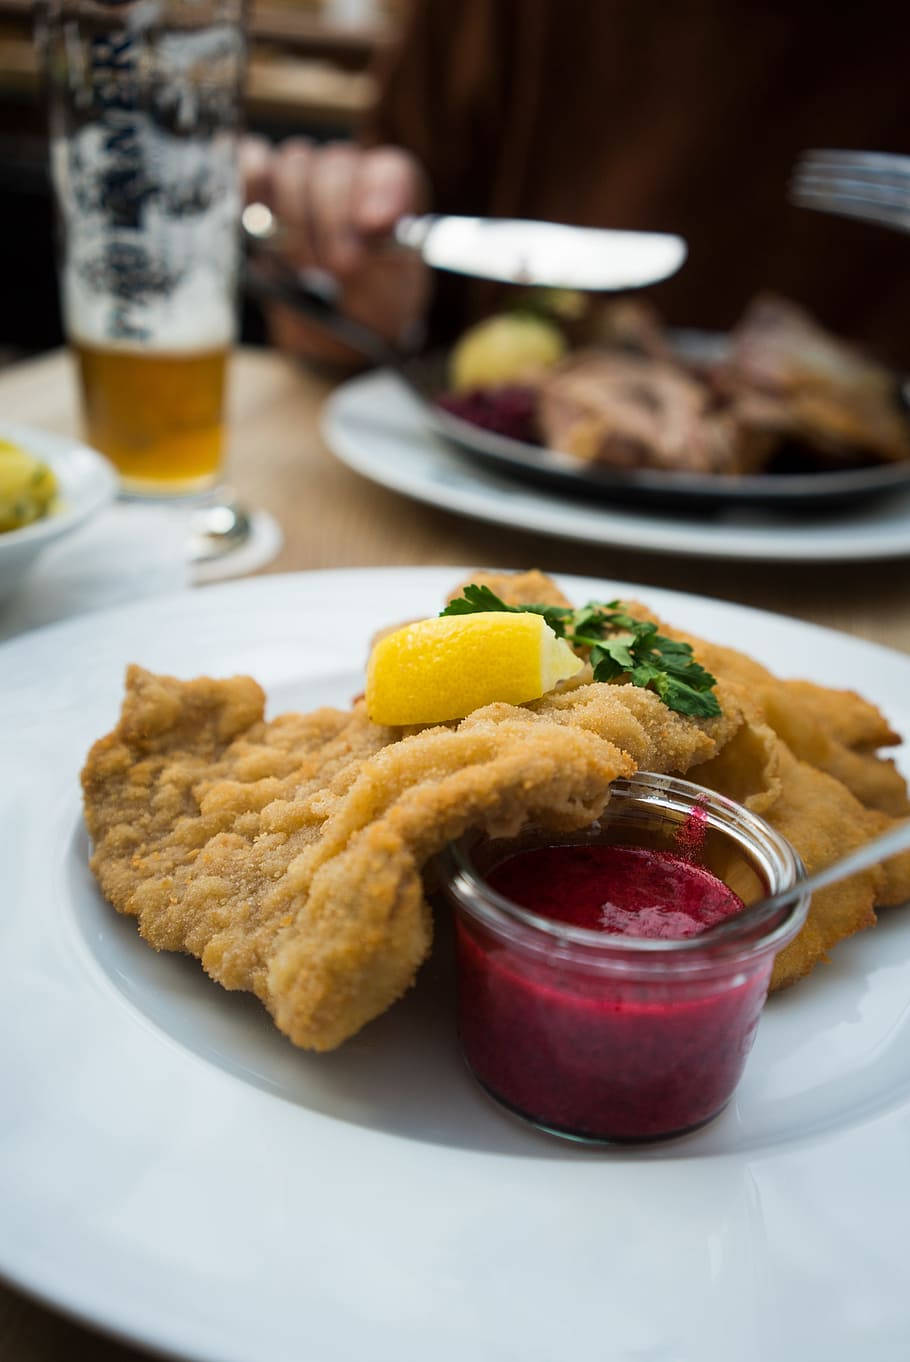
625	891
607	1054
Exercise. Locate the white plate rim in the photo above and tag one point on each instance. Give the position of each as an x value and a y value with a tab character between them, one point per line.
470	490
243	593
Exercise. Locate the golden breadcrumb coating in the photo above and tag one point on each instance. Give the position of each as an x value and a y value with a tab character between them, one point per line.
806	758
287	855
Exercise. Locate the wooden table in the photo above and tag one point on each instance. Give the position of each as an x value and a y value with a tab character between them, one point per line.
333	518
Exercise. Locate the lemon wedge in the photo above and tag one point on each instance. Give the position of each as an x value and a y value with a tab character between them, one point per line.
441	669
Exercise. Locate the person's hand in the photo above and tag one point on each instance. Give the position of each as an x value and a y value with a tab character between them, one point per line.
337	204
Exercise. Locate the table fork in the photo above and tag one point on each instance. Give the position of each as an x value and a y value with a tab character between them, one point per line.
871	185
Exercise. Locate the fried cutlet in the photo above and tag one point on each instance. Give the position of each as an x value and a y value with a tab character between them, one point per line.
287	855
807	759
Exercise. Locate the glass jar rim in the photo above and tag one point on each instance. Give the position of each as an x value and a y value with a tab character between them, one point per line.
758	930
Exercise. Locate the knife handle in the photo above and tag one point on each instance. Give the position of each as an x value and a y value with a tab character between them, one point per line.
263	230
411	232
315	296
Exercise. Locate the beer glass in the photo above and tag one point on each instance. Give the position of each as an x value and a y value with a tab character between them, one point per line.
144	117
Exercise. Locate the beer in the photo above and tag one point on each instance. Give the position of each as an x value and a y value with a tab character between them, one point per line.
145	103
157	415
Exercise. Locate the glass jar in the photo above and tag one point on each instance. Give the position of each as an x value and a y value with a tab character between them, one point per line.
608	1038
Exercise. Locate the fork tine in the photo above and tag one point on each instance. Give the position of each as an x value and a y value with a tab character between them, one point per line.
870	185
875	162
854	174
870	191
853	182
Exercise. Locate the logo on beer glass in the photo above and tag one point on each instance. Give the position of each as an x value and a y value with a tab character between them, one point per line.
147	177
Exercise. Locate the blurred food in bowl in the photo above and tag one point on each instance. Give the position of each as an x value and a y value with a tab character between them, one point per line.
27	487
510	410
505	349
778	394
815	387
49	485
632	411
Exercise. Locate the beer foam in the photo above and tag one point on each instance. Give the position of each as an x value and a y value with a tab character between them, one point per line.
168	280
197	316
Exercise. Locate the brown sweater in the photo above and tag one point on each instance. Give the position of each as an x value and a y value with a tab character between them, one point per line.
683	117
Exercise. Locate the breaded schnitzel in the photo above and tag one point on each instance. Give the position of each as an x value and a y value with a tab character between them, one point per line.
806	758
287	855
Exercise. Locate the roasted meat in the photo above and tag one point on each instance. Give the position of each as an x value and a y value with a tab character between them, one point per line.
629	411
811	386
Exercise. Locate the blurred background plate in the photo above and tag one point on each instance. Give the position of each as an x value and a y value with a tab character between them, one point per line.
800	486
378	426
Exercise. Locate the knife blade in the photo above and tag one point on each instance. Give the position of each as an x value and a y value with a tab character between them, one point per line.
551	254
520	251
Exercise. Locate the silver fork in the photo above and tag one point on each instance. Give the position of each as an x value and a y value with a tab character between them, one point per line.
871	185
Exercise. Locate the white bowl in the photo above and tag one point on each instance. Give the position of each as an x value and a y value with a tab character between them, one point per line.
86	482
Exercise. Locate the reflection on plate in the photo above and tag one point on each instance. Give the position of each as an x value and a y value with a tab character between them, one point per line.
377	426
175	1171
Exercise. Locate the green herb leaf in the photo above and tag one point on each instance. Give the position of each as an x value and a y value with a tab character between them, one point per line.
477	600
481	600
619	646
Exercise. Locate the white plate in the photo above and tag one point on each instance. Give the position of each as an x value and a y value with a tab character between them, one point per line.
87	482
375	425
173	1170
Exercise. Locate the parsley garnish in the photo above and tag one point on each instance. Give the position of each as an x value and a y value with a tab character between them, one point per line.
620	645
